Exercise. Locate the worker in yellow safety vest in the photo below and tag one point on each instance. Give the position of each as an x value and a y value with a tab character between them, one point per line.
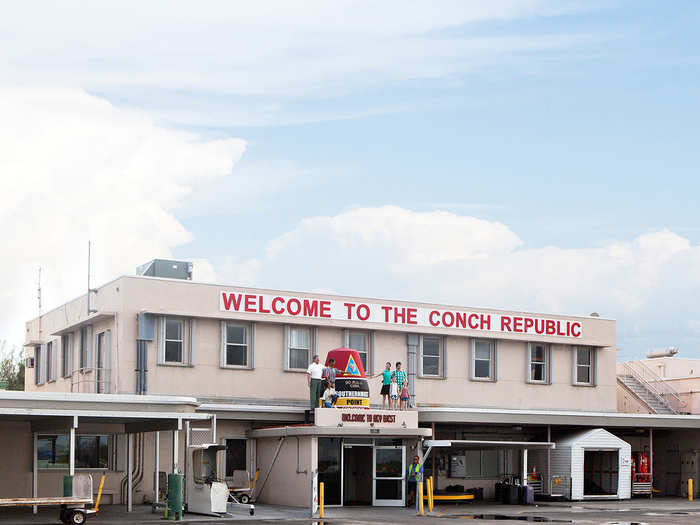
414	474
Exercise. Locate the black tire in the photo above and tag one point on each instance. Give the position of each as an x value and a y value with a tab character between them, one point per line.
245	499
77	517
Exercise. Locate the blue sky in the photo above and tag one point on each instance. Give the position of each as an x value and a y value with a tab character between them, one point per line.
572	124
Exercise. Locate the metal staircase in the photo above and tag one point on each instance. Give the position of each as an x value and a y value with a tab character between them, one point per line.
651	389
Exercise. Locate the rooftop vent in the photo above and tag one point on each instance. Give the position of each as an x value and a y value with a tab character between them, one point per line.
669	351
166	268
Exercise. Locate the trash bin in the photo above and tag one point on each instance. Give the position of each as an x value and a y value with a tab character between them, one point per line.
498	491
527	495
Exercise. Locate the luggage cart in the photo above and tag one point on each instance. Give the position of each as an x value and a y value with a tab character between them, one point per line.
75	510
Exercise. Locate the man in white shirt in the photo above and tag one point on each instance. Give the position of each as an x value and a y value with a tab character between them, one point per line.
314	375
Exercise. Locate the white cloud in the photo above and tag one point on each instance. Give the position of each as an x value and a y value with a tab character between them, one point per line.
74	167
648	283
157	52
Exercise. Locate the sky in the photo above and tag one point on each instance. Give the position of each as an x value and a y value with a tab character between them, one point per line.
516	154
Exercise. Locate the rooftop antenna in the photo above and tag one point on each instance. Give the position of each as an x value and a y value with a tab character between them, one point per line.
89	290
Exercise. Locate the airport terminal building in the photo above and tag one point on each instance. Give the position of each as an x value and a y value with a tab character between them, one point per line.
494	394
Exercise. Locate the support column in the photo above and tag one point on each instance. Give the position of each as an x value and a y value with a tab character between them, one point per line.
412	342
524	471
35	472
129	471
651	459
71	452
213	428
549	462
176	450
156	488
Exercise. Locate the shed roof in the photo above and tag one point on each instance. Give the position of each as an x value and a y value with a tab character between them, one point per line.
594	434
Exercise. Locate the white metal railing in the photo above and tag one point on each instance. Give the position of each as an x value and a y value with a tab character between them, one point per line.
98	378
655	384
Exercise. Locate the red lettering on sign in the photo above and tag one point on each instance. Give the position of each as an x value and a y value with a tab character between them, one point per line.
517	324
529	322
539	326
576	329
549	327
325	309
399	315
261	308
505	324
460	319
293	310
310	308
411	316
231	299
250	303
349	306
362	312
434	313
486	322
559	331
386	309
274	305
448	319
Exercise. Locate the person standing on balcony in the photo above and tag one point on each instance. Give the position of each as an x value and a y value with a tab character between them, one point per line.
314	376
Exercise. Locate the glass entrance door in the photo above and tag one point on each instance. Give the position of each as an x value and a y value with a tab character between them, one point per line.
389	488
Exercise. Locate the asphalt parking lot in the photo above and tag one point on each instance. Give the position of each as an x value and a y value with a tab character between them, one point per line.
635	512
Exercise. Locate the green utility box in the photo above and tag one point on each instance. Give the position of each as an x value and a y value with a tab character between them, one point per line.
67	486
175	495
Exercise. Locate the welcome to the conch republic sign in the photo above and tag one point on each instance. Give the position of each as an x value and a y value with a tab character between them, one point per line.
316	308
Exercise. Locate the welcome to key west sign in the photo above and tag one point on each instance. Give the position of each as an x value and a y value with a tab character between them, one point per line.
322	308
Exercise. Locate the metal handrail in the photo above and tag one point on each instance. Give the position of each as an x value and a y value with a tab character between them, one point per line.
79	372
667	391
656	385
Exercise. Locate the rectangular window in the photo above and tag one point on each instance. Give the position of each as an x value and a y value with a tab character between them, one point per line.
583	365
174	340
51	361
360	341
430	355
236	347
538	366
475	464
235	456
90	451
38	380
299	350
483	360
83	360
66	355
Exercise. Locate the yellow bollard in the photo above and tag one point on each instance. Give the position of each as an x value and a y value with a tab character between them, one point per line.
420	497
430	494
96	508
320	499
690	489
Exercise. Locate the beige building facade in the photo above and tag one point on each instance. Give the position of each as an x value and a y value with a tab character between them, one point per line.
492	383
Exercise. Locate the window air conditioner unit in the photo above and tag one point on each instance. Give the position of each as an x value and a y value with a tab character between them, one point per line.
28	362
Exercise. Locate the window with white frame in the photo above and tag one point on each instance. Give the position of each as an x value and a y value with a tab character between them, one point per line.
66	355
84	342
538	363
431	350
298	347
51	361
236	347
38	380
483	360
360	341
174	340
584	363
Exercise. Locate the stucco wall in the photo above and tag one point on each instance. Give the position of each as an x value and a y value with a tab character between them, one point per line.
286	486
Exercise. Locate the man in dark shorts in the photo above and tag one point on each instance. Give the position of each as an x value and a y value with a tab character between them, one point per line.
413	475
386	385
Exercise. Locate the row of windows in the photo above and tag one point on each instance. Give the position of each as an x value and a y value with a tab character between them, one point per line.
237	351
46	356
53	451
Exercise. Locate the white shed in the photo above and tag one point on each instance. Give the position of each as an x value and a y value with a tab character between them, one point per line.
592	464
